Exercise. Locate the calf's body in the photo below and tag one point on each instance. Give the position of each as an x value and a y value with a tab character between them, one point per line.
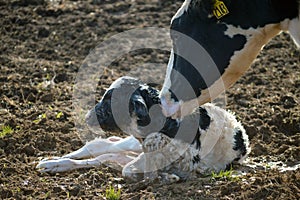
210	139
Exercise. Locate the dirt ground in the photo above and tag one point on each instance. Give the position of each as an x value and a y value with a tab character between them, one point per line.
43	44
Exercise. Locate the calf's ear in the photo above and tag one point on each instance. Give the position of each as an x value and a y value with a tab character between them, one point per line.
294	30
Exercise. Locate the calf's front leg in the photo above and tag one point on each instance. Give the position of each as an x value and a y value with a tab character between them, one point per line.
67	164
110	145
113	149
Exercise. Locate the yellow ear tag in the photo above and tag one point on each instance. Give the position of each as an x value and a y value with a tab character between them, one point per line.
220	9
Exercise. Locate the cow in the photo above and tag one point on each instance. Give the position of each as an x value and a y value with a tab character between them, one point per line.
215	42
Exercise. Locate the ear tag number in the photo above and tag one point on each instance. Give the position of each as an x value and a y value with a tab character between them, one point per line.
220	9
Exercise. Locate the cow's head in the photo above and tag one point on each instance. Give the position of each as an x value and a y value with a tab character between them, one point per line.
215	42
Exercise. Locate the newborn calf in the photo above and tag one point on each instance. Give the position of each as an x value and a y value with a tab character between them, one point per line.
210	139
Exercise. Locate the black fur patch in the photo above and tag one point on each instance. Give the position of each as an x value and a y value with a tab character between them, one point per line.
286	8
196	159
170	128
150	95
202	7
228	167
239	142
205	120
197	140
191	136
186	130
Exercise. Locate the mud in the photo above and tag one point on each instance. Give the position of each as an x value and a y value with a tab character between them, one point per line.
43	44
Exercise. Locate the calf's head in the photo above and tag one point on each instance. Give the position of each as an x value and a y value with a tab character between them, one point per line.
125	106
215	42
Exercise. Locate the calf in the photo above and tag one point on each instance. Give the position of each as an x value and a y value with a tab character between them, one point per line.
215	42
210	139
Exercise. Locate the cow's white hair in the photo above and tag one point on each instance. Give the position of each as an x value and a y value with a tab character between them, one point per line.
294	30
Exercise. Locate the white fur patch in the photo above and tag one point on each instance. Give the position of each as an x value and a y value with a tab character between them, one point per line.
233	31
167	82
292	26
294	30
169	106
182	9
217	141
118	83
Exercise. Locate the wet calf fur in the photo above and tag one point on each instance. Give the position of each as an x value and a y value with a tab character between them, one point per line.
208	139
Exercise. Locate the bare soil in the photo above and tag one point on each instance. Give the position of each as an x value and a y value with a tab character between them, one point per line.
43	40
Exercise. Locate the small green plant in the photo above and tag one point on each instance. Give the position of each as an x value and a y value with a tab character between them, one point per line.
47	195
17	190
5	130
48	77
59	115
40	118
43	180
268	166
111	194
227	175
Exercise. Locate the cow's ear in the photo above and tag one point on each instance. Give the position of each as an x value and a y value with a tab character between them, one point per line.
140	110
294	30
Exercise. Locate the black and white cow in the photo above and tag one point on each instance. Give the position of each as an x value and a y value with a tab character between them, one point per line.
215	42
210	139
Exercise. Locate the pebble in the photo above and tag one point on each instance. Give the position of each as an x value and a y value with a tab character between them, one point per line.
47	97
